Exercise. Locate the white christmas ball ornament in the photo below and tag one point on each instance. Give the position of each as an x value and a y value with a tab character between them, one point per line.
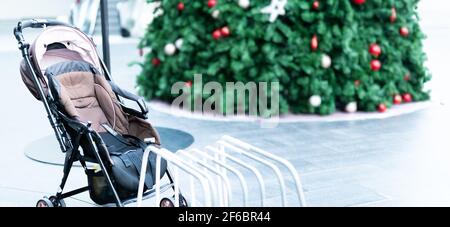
179	43
244	4
351	107
315	101
326	61
170	49
215	14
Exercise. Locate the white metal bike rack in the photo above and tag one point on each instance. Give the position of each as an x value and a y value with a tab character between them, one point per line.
224	197
211	166
287	164
231	169
224	144
174	160
221	158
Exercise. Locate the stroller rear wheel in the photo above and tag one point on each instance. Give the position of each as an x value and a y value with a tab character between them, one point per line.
57	203
44	202
183	201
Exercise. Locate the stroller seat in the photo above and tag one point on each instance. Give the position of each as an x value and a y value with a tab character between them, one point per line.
87	96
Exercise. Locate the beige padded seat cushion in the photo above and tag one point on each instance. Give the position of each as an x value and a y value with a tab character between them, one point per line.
89	97
83	104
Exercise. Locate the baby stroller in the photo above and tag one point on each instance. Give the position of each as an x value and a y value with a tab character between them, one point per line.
85	109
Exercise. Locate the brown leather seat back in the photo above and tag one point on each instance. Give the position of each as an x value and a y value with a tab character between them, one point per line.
87	96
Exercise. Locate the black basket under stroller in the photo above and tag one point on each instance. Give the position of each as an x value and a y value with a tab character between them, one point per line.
92	125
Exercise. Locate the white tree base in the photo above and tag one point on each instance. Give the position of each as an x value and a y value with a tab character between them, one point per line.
397	110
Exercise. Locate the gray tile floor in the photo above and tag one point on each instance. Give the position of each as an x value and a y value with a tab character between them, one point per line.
400	161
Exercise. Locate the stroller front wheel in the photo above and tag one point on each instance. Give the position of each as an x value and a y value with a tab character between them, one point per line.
44	202
166	202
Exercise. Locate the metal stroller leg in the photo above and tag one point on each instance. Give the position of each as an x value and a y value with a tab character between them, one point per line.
170	179
102	166
180	197
68	163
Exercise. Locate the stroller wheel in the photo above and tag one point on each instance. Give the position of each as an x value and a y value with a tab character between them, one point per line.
183	201
57	203
165	202
44	202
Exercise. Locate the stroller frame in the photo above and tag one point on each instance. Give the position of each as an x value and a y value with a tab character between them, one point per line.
55	117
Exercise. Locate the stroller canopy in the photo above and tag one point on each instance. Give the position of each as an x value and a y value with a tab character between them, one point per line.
54	45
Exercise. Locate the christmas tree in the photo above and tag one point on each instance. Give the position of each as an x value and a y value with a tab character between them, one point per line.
326	54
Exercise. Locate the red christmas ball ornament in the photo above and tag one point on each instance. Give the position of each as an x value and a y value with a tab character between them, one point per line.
382	108
404	31
407	98
212	3
357	83
398	99
225	31
217	34
314	43
375	65
393	17
316	5
359	2
407	77
156	61
180	6
375	50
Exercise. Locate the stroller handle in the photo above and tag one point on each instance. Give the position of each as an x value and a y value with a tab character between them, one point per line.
34	23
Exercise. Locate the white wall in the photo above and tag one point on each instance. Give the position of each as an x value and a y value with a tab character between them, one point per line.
18	9
435	21
434	13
